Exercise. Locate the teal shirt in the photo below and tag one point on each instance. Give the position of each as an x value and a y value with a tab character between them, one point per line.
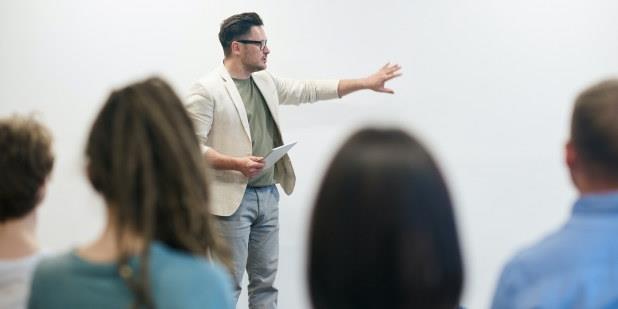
177	279
262	126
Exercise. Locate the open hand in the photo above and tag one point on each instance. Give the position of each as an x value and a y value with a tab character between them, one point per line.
377	80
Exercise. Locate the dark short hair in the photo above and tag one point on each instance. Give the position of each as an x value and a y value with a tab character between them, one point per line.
26	159
594	129
383	232
235	26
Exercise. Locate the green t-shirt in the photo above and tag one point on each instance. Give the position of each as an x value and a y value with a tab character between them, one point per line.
262	127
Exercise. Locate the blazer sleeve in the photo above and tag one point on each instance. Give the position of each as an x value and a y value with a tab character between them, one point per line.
201	108
304	91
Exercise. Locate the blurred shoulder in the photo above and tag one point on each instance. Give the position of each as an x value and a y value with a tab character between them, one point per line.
55	264
181	267
188	281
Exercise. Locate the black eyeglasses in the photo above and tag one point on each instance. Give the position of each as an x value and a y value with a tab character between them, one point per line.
261	44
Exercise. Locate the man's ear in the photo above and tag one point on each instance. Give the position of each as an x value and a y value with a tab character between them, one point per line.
235	47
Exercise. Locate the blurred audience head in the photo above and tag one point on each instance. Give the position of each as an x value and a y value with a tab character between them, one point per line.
26	161
144	159
383	232
592	151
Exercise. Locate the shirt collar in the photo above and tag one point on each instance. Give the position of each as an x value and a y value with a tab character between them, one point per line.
604	203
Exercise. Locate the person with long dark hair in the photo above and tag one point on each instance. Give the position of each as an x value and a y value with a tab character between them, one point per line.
383	232
144	159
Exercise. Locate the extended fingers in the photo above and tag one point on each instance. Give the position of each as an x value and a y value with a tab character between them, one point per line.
391	72
391	76
388	71
388	67
392	69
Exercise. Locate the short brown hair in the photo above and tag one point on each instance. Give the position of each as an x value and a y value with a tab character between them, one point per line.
594	128
26	159
235	26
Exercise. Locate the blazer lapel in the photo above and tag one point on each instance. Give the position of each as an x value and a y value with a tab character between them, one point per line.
269	97
232	91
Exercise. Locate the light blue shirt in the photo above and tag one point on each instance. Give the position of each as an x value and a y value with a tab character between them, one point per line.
574	267
177	280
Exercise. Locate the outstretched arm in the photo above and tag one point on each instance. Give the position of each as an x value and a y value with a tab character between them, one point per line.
374	81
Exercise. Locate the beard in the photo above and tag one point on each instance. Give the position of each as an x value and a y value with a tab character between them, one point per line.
254	66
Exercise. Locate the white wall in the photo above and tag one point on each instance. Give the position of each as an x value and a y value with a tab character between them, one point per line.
487	84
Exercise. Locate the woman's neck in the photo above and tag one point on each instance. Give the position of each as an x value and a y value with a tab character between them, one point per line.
18	237
106	247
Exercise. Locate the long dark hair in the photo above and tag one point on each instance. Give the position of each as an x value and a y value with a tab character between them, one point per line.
383	232
144	158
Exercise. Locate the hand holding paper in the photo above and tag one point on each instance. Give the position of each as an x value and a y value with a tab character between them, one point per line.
276	154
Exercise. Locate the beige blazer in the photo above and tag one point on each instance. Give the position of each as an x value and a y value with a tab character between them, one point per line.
221	122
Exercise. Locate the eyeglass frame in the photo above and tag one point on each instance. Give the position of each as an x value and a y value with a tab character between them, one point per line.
261	44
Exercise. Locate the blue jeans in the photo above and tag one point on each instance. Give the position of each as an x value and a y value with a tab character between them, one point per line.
252	233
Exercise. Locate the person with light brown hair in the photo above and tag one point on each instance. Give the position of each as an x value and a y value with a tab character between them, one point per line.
577	265
144	159
26	161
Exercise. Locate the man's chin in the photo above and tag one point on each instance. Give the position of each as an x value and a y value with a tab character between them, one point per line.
258	68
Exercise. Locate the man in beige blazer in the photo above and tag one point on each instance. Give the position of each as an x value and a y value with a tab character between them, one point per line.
235	111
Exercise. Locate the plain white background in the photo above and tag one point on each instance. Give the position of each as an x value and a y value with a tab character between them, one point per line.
488	85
